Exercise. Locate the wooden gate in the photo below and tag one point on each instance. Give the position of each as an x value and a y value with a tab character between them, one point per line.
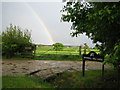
29	52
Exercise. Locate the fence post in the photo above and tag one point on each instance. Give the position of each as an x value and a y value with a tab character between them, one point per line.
84	50
35	50
80	51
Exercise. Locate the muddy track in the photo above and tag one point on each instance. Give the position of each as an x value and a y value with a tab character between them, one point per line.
44	68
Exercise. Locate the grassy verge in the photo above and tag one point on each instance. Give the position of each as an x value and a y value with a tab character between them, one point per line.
49	57
16	58
92	79
58	57
23	82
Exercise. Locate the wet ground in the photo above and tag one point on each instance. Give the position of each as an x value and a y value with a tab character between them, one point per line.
44	68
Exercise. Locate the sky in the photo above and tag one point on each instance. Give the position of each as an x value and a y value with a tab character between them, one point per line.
43	19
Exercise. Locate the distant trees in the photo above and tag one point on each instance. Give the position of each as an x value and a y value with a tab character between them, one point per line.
14	40
58	46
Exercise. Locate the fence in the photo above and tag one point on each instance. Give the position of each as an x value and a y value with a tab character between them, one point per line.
68	52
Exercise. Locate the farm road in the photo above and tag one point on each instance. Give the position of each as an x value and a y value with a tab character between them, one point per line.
44	68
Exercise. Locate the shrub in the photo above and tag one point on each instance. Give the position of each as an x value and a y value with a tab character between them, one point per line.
14	40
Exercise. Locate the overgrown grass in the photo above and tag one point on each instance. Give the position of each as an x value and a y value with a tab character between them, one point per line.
92	79
23	82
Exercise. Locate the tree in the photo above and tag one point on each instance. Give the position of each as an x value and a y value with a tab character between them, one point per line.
14	40
99	20
114	57
58	46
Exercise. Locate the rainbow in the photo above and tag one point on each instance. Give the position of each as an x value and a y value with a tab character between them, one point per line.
41	22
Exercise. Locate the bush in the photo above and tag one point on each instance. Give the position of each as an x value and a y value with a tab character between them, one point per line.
14	40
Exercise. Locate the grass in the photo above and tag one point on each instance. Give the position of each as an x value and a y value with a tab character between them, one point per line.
92	79
68	53
58	57
66	50
23	82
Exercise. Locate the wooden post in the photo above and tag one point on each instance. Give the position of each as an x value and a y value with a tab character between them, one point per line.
33	50
84	50
83	67
34	53
80	51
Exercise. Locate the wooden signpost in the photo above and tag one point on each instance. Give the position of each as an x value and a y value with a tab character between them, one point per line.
92	56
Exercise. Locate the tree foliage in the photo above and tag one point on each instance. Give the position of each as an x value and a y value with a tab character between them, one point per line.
114	57
14	40
99	20
58	46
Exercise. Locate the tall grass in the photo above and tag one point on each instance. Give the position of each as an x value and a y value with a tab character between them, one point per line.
92	79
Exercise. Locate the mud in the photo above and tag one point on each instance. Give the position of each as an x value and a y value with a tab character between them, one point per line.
44	68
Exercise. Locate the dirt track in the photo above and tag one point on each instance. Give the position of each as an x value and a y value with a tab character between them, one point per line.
44	68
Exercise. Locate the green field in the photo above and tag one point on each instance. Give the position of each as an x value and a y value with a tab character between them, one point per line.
68	53
66	50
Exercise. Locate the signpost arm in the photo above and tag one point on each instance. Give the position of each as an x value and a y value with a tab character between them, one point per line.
92	56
